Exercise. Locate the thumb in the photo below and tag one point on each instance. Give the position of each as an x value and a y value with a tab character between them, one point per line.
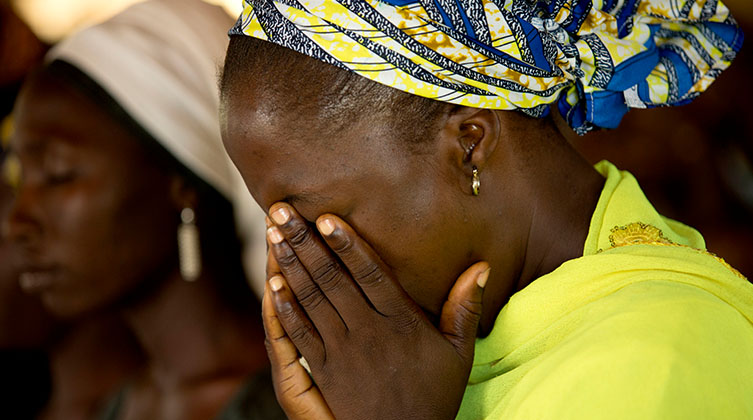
461	312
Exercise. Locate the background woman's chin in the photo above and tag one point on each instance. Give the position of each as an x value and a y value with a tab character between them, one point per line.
67	305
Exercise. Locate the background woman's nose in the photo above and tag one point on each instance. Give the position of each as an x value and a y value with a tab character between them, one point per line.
20	223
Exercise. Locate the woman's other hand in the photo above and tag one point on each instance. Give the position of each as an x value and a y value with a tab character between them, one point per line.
372	351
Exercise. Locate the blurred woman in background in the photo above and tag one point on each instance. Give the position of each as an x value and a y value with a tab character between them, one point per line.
125	203
24	326
51	369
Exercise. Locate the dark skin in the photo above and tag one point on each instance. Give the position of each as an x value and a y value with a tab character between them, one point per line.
14	304
360	305
76	350
418	226
96	219
74	198
79	385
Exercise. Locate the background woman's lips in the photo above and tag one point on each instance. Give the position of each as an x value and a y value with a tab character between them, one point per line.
36	281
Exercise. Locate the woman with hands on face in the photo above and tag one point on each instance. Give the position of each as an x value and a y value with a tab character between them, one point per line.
347	299
434	254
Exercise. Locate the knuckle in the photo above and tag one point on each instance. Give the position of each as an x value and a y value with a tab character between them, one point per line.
341	243
368	274
463	321
286	257
302	336
310	297
326	274
285	386
469	310
299	235
407	325
272	347
466	317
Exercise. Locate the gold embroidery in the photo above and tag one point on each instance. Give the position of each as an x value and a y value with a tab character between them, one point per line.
637	233
644	234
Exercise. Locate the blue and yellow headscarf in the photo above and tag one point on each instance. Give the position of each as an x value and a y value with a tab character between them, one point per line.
594	58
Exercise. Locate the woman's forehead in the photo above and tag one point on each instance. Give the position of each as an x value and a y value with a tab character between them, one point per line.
47	101
53	117
316	177
266	109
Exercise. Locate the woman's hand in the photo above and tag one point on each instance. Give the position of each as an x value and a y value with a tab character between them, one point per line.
373	353
296	392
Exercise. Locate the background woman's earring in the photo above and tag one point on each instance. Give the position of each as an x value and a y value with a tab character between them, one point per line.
475	182
189	254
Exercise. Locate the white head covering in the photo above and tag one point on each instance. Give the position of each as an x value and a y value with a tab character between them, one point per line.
159	60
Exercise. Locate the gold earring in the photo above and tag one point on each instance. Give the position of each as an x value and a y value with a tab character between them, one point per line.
189	253
475	182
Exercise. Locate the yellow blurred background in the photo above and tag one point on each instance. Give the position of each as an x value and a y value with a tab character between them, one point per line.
51	20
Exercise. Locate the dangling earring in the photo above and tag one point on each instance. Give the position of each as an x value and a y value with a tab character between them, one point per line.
189	254
475	182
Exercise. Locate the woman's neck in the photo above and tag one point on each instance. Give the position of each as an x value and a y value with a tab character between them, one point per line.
556	201
79	383
562	220
189	335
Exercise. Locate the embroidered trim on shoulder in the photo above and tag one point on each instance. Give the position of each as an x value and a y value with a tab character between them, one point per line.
637	233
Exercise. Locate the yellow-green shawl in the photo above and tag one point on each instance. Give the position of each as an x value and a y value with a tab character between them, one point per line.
646	325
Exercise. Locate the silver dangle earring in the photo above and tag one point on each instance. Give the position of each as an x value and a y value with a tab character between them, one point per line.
475	182
189	254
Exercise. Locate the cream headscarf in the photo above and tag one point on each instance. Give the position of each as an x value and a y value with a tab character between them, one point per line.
159	60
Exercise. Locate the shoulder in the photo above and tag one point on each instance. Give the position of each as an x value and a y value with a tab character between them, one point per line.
653	349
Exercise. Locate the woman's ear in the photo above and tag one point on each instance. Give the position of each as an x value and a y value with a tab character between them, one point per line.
471	136
478	135
182	194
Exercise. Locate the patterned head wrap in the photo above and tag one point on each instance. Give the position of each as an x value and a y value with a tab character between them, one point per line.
595	58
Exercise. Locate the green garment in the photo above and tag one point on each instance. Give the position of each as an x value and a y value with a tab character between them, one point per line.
646	325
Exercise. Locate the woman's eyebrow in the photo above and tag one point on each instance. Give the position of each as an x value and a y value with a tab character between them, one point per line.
31	145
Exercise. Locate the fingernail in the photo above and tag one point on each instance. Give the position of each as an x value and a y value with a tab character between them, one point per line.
276	283
281	216
305	364
483	277
274	234
326	226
